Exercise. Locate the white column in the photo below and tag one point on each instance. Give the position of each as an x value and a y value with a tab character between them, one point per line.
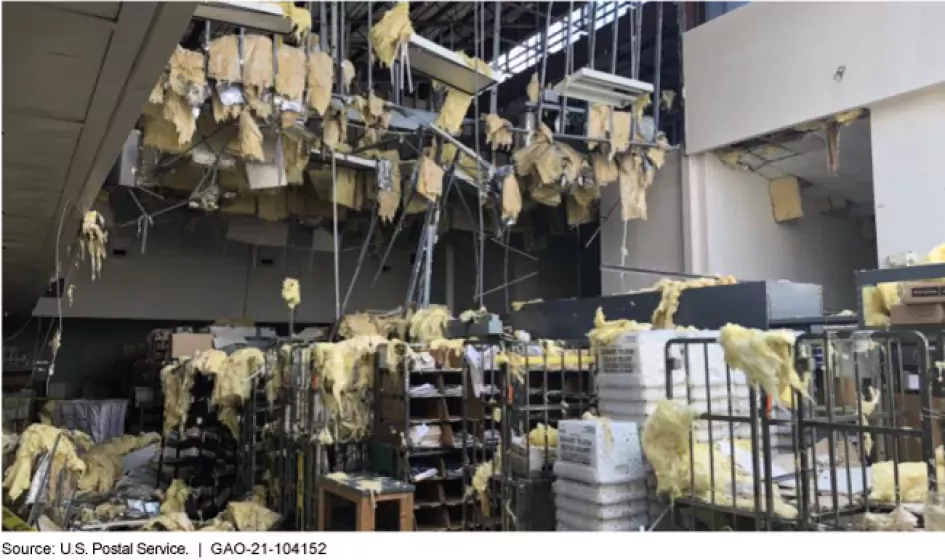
908	145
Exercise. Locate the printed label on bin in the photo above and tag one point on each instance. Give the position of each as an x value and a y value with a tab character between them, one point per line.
618	360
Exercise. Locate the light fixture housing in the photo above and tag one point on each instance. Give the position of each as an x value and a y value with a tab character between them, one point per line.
443	65
595	86
261	16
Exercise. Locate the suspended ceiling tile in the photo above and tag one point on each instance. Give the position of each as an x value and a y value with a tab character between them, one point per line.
52	60
17	226
39	141
751	160
27	203
770	172
771	152
105	10
808	144
796	165
43	178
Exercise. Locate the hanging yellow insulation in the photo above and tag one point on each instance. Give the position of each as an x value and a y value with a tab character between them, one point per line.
480	481
231	386
175	499
605	170
498	135
429	179
389	201
429	324
257	64
393	30
156	97
104	461
93	239
291	294
290	81
347	74
634	179
533	90
224	63
369	324
186	77
670	292
606	332
335	130
176	381
301	20
177	111
161	134
511	198
321	78
599	126
36	440
209	362
455	106
766	358
251	138
296	154
346	373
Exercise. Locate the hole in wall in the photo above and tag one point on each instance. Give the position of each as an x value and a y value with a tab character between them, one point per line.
119	252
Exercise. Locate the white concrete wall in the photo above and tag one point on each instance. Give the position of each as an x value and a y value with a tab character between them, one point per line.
736	234
908	143
656	243
771	65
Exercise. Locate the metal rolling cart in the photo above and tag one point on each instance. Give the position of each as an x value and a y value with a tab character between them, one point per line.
295	456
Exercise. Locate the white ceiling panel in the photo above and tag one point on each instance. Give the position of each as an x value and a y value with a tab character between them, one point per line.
28	203
46	178
38	141
51	60
75	78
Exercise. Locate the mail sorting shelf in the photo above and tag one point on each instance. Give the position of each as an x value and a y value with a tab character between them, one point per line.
415	398
524	385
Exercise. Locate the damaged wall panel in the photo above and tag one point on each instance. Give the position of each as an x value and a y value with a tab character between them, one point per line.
742	238
736	85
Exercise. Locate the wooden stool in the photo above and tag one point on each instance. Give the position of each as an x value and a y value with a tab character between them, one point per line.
356	488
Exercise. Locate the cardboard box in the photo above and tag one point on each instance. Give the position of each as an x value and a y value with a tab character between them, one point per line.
909	409
188	344
917	314
923	292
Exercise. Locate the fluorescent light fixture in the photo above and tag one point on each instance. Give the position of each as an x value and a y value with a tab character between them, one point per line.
445	66
595	86
262	16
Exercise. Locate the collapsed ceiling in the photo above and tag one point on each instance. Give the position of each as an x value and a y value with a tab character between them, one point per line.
454	26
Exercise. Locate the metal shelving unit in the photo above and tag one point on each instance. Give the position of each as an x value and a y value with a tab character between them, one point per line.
439	399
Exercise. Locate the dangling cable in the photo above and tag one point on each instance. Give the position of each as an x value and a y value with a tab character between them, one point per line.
478	17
